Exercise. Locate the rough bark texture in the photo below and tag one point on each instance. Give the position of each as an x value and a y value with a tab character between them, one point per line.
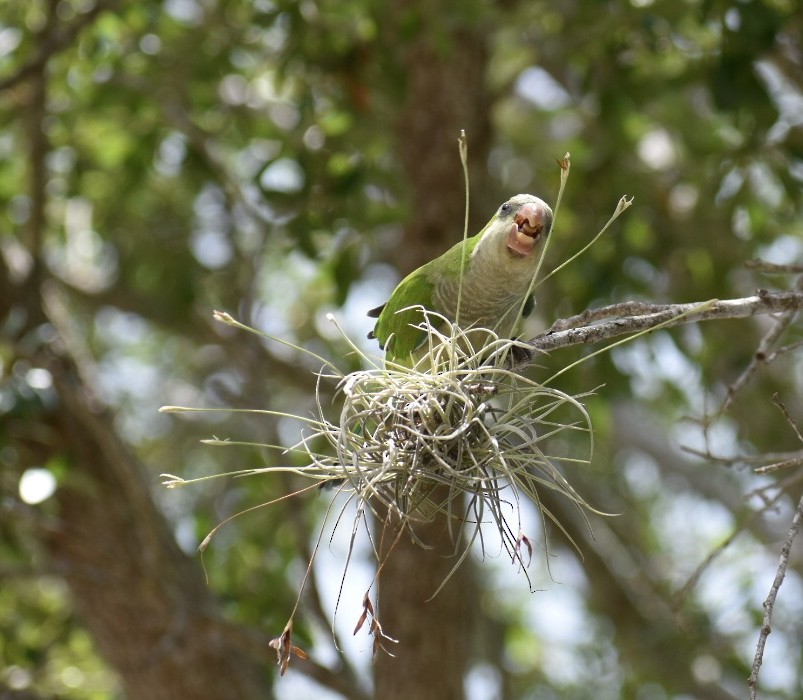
445	92
143	599
434	635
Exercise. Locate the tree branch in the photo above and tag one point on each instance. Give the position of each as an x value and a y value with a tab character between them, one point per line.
634	317
773	268
53	43
765	348
769	603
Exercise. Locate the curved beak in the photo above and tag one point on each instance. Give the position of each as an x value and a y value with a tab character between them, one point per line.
532	222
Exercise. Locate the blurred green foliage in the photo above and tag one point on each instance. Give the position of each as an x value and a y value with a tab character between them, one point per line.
243	155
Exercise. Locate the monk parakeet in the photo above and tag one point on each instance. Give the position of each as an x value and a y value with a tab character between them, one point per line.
499	265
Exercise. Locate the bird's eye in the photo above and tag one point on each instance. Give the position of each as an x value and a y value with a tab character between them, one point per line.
506	208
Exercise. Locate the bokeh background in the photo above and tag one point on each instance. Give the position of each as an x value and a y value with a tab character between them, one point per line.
287	160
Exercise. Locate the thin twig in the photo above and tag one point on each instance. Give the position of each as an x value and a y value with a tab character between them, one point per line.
773	268
693	579
783	350
769	603
765	348
782	408
763	463
782	464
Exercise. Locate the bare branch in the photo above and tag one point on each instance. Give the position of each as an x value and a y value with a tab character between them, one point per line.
782	408
652	316
625	308
783	350
783	464
763	463
769	603
757	461
773	268
764	349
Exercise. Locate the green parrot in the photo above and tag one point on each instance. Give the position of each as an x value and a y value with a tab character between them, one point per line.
500	262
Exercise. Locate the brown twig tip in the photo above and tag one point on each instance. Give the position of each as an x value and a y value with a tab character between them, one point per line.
380	638
375	628
283	644
367	609
565	162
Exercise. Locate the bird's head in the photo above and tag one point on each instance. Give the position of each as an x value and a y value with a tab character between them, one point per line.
522	222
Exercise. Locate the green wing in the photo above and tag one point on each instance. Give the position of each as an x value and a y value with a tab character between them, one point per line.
394	328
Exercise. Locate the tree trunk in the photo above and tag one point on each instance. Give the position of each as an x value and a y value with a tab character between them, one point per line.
444	70
445	93
142	598
431	657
